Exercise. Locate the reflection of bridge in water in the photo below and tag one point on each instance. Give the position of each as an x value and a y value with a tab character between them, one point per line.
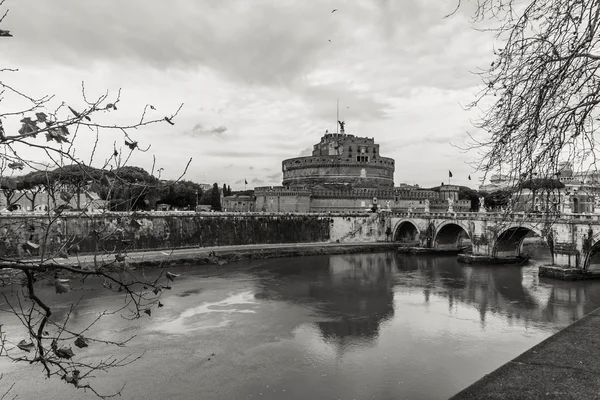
355	293
504	290
573	239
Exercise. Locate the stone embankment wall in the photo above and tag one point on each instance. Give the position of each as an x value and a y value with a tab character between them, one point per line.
22	234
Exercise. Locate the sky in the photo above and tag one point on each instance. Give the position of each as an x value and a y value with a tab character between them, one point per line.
259	79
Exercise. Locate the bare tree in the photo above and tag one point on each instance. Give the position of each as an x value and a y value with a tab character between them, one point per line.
44	254
539	103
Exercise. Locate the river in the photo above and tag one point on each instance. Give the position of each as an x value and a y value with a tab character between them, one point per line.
360	326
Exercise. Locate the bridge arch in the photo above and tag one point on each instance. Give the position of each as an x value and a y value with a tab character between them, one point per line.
406	231
451	235
592	256
509	242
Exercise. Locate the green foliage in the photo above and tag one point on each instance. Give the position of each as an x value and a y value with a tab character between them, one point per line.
9	187
206	198
182	194
32	184
497	199
466	193
216	198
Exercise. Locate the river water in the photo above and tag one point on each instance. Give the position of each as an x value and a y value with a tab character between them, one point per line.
360	326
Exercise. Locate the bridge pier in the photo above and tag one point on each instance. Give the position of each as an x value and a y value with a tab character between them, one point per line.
570	260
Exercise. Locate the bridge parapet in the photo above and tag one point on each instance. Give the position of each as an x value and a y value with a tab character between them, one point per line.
496	217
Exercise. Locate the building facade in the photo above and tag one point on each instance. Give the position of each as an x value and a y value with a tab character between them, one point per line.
345	173
340	160
580	194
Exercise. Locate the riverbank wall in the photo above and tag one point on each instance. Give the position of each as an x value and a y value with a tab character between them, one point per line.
30	235
228	254
564	366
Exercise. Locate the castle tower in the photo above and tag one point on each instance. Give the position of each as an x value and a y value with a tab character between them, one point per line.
340	159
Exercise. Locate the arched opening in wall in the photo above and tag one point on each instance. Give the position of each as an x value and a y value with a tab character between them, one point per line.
520	241
592	263
407	233
452	237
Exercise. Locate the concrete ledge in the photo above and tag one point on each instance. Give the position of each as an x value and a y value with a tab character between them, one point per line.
426	250
475	259
566	273
564	366
224	256
213	255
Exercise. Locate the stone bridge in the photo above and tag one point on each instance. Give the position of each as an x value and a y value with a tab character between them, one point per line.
571	238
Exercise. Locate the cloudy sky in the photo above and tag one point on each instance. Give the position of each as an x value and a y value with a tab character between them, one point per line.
259	78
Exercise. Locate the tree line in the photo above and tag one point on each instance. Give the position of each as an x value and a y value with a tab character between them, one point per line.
128	188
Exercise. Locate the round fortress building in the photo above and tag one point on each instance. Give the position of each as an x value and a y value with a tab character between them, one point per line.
340	160
344	173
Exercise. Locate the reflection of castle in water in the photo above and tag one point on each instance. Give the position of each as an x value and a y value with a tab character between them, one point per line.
359	295
354	292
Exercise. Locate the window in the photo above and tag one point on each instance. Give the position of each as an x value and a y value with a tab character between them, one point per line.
362	158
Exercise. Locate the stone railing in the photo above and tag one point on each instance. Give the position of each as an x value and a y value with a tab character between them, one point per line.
495	216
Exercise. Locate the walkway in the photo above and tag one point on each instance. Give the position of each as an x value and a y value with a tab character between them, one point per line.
216	251
564	366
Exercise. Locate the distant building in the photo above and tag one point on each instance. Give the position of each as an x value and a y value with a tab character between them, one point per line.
497	182
344	173
85	200
238	203
581	192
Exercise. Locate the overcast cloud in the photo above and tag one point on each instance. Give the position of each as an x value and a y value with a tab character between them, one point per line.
260	78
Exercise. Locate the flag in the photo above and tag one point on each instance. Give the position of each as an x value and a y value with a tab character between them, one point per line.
245	181
469	177
450	173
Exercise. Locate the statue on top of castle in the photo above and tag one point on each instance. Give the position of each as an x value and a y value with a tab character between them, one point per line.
342	125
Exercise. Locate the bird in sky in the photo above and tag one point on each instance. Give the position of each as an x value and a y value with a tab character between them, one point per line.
330	40
334	10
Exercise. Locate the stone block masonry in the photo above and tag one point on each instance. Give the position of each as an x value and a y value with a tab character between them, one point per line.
113	232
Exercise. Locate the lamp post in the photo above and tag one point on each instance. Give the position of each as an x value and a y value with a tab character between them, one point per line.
196	208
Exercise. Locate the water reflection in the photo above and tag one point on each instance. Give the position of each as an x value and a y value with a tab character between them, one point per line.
355	293
515	292
382	325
